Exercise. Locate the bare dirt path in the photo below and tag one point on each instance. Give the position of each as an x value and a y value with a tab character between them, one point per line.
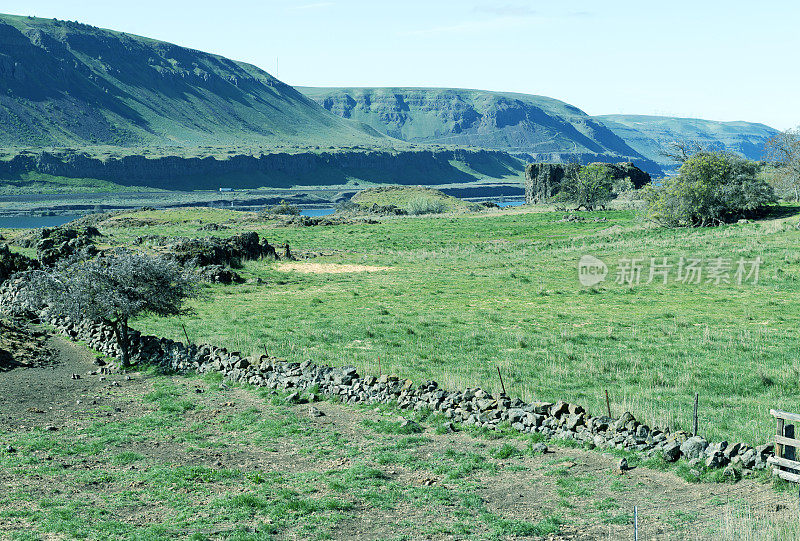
44	393
104	437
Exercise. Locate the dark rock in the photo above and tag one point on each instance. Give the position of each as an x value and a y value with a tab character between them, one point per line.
574	420
694	447
218	274
716	460
766	450
538	448
732	473
671	451
315	412
410	426
559	409
544	180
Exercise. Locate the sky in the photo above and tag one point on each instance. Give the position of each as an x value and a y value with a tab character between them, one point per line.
720	60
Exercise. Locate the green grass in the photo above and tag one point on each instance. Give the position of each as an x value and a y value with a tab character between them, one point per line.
109	482
467	294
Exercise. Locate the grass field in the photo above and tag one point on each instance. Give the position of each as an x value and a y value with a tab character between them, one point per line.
453	297
167	456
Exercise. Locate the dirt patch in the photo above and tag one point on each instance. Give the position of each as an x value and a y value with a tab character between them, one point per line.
39	388
22	346
327	268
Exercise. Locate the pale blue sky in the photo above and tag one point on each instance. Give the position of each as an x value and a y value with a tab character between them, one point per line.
722	60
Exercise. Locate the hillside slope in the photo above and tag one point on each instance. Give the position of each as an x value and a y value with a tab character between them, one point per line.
64	83
651	135
540	128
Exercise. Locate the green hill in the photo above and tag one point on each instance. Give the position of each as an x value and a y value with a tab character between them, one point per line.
412	199
651	135
64	83
536	127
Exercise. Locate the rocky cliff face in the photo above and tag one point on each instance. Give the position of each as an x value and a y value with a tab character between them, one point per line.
536	127
543	180
277	170
652	135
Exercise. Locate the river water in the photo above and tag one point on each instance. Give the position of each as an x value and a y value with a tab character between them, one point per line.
30	222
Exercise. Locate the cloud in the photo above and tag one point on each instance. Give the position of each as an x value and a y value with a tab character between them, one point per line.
581	14
508	10
308	7
497	23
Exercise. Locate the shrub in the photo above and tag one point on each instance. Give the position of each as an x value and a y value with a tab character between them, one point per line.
283	209
426	205
586	187
711	188
622	186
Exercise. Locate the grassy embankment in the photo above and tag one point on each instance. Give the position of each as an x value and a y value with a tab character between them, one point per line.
453	297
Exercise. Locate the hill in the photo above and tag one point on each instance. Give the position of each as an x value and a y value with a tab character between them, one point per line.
535	127
411	199
651	135
64	83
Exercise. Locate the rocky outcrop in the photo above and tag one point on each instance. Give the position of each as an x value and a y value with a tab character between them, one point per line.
205	251
11	263
543	180
276	169
627	170
61	243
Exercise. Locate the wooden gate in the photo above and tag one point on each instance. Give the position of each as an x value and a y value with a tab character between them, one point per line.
785	464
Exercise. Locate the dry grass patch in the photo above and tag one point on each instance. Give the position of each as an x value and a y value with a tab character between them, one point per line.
327	268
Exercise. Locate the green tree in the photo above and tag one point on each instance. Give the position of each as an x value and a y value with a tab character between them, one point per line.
587	187
710	188
783	152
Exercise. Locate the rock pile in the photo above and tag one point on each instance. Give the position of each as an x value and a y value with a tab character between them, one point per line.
54	244
478	407
579	219
11	263
205	251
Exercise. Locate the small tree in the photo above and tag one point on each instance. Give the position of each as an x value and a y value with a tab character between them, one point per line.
682	150
587	187
112	289
711	188
783	151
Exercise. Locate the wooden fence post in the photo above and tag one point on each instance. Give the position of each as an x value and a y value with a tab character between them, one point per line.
503	385
784	463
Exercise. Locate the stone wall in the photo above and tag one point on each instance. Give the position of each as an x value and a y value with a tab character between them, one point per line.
472	406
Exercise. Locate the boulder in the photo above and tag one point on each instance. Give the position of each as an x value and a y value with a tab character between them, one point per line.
716	460
538	448
218	274
671	451
694	447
